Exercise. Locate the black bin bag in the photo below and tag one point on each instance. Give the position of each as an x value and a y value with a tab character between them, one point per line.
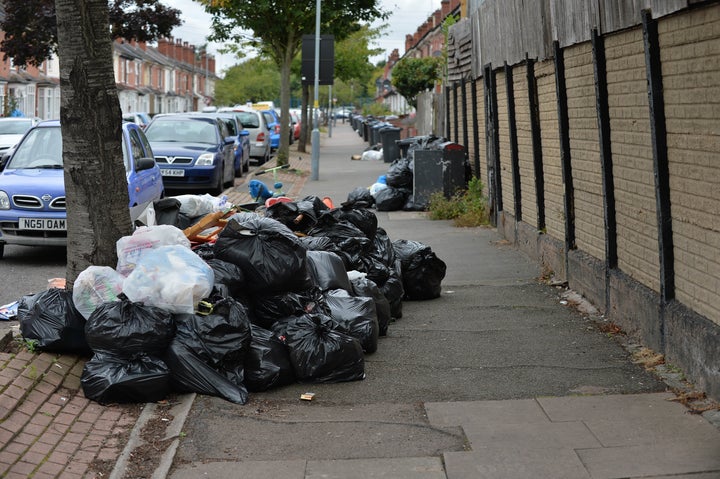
125	329
207	355
327	270
363	286
422	271
355	316
50	319
321	354
267	364
270	255
108	379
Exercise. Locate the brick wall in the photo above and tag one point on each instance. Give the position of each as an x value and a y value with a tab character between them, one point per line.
632	158
506	179
525	146
547	104
471	126
690	56
585	150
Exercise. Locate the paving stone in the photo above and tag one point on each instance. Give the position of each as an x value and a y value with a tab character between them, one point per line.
511	463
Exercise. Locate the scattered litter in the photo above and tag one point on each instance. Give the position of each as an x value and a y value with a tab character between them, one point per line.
9	311
307	396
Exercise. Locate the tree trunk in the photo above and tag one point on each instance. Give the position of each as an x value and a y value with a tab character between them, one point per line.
304	119
284	151
91	124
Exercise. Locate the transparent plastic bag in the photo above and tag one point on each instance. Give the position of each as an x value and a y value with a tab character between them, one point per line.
170	277
131	248
95	286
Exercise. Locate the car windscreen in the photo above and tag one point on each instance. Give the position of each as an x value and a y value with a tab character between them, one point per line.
184	131
41	148
249	120
14	127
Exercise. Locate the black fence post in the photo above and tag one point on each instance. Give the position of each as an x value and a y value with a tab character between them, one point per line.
661	166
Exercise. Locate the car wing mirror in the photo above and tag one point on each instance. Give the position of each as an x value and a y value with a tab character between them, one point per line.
3	161
244	133
144	163
230	140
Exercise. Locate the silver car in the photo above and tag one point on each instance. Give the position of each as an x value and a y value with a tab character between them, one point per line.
254	122
12	130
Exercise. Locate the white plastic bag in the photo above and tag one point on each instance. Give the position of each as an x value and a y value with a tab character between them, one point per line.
200	205
372	155
170	277
376	187
131	248
95	286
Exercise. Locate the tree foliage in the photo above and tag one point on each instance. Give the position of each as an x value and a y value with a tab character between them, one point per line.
277	28
31	30
255	79
412	76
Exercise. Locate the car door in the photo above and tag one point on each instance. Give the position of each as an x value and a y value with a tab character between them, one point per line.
144	185
228	154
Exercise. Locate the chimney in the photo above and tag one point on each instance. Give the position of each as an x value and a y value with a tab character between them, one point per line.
211	65
408	42
445	8
437	18
142	45
165	46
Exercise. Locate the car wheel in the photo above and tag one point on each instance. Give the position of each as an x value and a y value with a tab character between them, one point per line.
246	166
218	189
2	250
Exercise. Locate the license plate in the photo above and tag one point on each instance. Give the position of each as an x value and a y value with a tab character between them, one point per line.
172	172
45	224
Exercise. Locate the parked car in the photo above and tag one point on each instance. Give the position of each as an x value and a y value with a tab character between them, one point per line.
12	130
140	118
273	121
241	147
194	151
32	185
259	133
295	125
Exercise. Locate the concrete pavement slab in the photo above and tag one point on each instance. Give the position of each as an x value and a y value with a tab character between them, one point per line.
396	468
570	435
243	470
511	463
642	461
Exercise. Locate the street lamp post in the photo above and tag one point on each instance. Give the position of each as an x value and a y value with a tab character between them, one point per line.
315	138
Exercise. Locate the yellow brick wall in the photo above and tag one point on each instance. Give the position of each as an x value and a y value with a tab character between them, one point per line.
504	141
585	150
525	146
480	91
632	157
471	126
547	102
690	56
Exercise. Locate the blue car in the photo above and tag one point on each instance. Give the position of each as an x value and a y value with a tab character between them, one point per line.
241	147
273	121
194	151
32	186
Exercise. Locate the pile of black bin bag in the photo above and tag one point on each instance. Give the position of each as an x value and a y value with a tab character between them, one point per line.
283	309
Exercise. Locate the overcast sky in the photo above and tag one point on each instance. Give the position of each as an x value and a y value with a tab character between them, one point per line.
406	16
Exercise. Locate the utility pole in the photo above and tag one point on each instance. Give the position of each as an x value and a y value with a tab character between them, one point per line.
315	139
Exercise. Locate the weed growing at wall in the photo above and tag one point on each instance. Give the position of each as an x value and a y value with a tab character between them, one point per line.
465	208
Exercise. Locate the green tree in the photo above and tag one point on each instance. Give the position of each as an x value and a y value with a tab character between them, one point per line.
90	116
253	80
412	76
31	26
278	26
